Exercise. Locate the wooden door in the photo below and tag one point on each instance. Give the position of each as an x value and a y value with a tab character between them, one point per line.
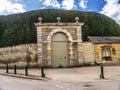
60	56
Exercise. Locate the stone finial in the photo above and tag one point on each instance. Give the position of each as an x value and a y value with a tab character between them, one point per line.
76	19
58	19
40	19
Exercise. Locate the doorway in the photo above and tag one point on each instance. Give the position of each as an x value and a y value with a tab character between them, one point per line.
60	56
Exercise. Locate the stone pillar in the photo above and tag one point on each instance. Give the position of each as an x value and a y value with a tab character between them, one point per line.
79	44
49	53
39	45
71	52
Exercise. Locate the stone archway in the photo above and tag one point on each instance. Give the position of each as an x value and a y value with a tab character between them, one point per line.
49	44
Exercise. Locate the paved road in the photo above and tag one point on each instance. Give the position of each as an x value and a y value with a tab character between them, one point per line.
12	83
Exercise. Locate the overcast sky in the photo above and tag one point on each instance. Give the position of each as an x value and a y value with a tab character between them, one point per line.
110	8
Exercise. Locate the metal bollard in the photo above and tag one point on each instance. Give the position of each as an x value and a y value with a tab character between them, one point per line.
15	69
7	68
26	70
42	71
102	71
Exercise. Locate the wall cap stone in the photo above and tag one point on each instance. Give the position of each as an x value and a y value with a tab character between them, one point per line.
58	24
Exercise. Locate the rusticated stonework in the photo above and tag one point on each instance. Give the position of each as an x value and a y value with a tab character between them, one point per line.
45	31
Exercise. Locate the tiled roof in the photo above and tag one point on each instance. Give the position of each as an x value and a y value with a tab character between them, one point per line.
104	39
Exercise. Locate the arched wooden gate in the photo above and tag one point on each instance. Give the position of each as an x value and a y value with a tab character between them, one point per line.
60	51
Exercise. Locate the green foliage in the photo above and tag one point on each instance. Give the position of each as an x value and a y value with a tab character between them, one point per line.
20	29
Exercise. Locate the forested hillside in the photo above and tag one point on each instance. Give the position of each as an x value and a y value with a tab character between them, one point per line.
19	28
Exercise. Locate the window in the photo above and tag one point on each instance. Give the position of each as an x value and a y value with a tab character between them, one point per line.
106	52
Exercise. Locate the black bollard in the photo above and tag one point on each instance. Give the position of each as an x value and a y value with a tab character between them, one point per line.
26	70
15	69
42	71
102	71
7	68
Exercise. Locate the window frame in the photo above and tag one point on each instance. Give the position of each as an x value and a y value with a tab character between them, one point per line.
106	52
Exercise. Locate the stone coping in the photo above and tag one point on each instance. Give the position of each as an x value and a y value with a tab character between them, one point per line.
59	24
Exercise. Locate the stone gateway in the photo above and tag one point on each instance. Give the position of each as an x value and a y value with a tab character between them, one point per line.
59	44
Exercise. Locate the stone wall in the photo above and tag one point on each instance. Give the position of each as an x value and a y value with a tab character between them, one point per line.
19	55
88	53
23	54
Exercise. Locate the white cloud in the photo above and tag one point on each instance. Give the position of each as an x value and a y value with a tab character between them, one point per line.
112	9
83	4
52	3
7	6
68	4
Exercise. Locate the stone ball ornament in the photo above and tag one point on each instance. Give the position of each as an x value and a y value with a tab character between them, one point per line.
40	19
76	19
58	19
